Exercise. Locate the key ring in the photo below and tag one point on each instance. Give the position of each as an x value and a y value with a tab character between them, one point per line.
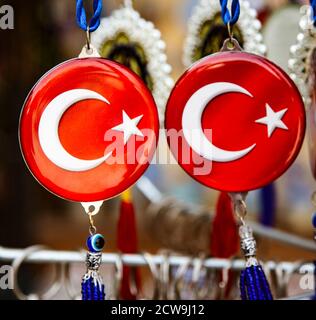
51	292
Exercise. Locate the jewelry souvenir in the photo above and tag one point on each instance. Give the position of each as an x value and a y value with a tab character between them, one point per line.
126	38
88	130
235	122
207	32
257	125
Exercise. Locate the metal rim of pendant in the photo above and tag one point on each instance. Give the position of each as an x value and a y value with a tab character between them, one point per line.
144	33
300	54
248	23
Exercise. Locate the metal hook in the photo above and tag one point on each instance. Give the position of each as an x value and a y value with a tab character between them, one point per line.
230	31
230	45
198	268
133	282
226	275
164	275
240	207
155	274
88	38
51	292
118	276
178	278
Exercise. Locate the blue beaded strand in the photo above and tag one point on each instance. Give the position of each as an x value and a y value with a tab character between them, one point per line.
251	283
92	290
242	285
254	285
258	283
314	220
265	284
314	297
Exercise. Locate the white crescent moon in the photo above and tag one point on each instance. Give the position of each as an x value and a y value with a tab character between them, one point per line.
48	130
192	127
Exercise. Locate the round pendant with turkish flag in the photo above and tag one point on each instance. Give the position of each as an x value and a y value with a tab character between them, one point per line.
88	129
235	121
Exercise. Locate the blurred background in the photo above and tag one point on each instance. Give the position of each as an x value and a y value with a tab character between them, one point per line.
45	34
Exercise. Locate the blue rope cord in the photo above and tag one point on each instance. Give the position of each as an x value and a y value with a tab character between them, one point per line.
82	17
313	5
231	18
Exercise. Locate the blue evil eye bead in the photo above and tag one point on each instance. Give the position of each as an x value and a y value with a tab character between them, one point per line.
314	220
95	243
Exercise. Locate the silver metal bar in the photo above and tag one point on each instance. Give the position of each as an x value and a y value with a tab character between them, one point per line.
151	192
54	256
282	236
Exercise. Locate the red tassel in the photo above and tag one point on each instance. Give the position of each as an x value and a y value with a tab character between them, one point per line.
127	243
224	236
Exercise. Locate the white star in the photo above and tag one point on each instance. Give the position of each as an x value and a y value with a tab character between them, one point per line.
273	120
129	127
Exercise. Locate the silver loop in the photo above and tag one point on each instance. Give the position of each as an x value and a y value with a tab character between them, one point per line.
52	291
92	208
231	45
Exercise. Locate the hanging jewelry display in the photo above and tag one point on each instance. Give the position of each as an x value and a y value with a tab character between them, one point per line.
301	63
257	111
207	32
127	38
74	158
